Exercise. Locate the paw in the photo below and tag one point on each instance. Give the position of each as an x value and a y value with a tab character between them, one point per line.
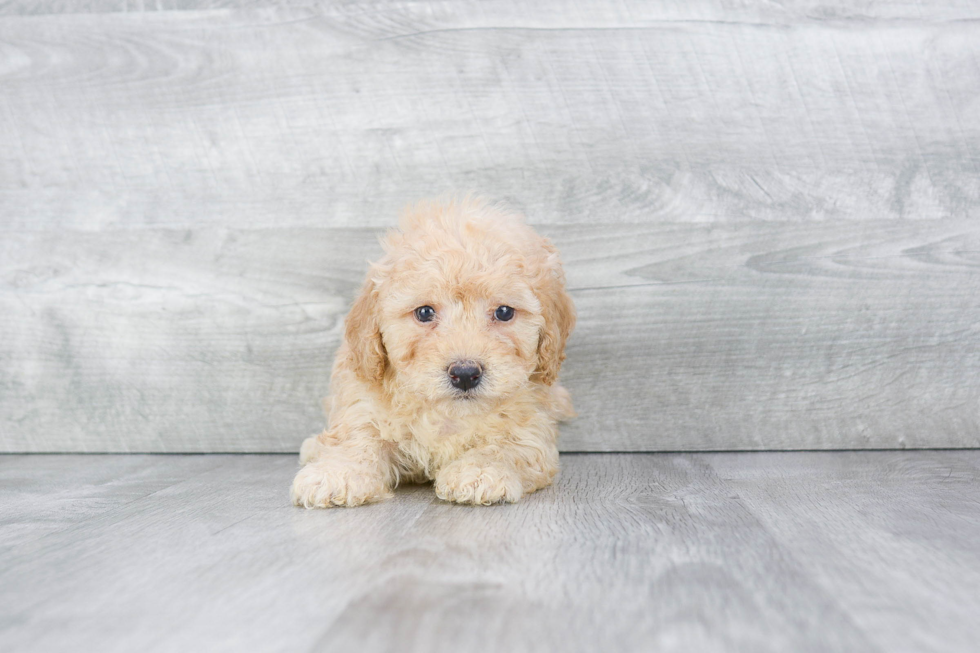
468	482
329	484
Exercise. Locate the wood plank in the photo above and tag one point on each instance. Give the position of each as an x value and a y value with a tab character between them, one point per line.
690	337
161	341
302	117
585	13
776	337
891	529
626	550
45	495
151	565
869	551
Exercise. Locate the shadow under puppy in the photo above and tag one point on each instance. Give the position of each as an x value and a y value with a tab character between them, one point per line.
449	366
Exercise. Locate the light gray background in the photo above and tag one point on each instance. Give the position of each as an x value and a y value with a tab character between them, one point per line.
768	211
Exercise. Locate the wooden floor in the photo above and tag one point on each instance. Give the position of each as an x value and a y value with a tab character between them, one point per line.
855	551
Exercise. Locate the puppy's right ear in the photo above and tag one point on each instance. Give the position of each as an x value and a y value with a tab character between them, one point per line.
362	332
558	311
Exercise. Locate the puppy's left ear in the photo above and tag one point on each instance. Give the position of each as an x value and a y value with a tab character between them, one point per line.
559	317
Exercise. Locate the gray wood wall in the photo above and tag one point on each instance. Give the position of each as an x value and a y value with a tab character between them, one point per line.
770	212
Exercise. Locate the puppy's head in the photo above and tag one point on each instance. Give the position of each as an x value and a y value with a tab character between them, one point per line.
467	305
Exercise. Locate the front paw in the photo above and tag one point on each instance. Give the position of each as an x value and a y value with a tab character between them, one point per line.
468	482
329	484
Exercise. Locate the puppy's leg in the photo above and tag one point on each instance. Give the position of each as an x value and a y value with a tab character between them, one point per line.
503	471
343	467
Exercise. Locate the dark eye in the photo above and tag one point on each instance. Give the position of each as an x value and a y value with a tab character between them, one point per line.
425	313
504	313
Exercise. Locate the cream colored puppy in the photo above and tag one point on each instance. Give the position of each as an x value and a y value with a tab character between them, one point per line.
449	366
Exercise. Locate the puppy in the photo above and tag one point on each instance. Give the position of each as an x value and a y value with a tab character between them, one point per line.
449	366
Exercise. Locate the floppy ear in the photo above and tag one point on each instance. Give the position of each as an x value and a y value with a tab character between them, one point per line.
559	318
362	332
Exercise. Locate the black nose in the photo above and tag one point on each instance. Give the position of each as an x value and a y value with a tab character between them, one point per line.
465	375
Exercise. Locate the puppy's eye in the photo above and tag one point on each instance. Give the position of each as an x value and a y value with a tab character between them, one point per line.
425	313
504	313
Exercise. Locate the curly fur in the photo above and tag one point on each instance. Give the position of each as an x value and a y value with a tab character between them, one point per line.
393	414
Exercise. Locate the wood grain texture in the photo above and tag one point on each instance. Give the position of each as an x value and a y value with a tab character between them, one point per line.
842	551
862	520
768	210
691	337
306	117
625	10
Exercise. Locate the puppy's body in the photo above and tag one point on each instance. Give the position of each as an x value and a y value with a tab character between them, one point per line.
398	409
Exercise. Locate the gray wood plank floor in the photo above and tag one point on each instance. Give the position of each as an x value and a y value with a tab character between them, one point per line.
791	551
